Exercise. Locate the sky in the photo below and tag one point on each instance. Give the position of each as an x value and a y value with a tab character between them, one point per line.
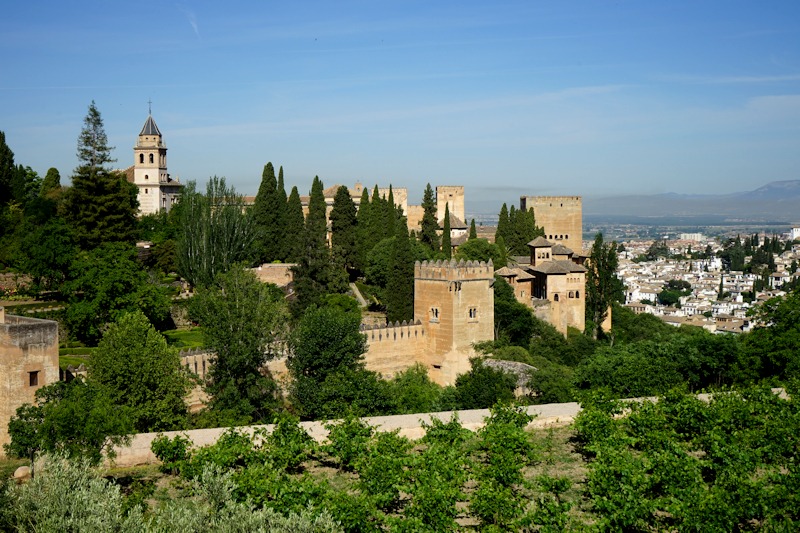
507	98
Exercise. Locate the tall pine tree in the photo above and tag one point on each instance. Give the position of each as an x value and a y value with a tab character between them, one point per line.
428	233
101	205
473	232
364	239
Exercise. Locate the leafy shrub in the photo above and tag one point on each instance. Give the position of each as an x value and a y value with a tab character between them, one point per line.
173	453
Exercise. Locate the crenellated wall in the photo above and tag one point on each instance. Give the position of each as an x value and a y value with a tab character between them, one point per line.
394	348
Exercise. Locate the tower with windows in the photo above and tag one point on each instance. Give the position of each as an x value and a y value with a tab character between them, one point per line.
157	190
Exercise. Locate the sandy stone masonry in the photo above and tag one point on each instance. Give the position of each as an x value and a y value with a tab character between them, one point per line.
28	361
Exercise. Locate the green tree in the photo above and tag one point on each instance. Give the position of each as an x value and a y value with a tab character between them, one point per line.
47	253
77	419
429	226
294	227
447	248
268	218
364	235
400	285
106	283
139	370
513	321
283	213
603	287
243	321
479	250
473	233
316	274
101	205
7	171
215	233
504	229
774	344
484	386
326	362
344	229
51	183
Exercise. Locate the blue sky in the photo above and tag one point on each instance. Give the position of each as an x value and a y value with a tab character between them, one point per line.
507	98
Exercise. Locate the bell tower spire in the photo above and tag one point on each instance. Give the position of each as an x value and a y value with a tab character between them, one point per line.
157	191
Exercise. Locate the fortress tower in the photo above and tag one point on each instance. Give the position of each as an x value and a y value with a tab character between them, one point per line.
157	191
453	308
560	216
28	362
451	196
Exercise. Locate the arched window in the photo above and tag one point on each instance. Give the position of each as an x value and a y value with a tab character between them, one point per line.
151	158
571	294
555	297
146	177
141	158
577	294
145	191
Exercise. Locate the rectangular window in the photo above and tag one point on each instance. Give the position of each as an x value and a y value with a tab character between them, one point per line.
33	379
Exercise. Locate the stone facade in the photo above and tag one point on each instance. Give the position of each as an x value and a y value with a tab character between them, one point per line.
28	361
451	196
158	191
453	309
560	216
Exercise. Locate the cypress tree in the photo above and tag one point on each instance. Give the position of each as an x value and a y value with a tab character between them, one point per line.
281	218
294	227
428	233
313	273
7	170
101	205
390	215
51	184
400	287
377	218
473	233
266	216
503	226
364	239
447	249
343	227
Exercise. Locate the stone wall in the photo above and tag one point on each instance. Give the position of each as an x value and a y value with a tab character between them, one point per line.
392	349
28	362
279	274
451	196
410	426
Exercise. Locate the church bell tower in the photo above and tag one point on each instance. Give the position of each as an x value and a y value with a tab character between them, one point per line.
157	191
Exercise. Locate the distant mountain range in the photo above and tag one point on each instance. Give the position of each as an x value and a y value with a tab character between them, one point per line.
775	201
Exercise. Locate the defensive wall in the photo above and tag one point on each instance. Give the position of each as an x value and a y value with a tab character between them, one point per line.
394	348
28	362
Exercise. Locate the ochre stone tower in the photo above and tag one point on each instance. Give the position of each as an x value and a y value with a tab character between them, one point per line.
560	216
453	308
28	361
456	301
157	191
452	196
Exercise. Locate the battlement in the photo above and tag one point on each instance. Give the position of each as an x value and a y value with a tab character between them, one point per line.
526	202
397	331
454	270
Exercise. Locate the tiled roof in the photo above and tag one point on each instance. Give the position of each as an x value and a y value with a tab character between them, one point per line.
558	267
540	242
150	127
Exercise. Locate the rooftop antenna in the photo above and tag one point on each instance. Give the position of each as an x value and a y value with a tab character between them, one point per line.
149	107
